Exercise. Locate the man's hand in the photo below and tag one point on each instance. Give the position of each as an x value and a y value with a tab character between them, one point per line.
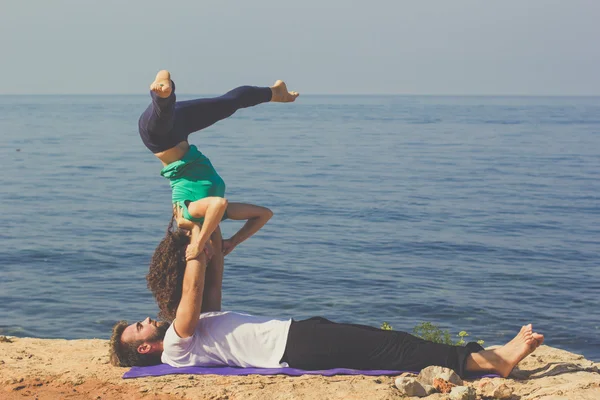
192	251
228	246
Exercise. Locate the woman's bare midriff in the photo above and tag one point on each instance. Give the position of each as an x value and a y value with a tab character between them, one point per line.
174	153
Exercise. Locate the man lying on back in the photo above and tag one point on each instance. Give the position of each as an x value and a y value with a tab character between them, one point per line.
242	340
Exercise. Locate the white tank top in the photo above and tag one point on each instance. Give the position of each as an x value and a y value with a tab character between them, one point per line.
229	339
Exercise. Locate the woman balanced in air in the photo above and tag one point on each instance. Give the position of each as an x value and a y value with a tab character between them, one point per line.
198	192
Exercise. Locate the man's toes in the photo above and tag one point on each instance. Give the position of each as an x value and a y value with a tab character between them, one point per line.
530	340
523	329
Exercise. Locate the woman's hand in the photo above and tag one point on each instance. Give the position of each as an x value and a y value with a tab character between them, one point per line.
256	217
228	246
182	223
209	250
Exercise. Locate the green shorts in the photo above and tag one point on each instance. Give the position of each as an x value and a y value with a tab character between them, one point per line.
193	178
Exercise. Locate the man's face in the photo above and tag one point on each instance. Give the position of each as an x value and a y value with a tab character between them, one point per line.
147	330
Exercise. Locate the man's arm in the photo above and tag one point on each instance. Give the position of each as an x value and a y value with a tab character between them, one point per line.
190	305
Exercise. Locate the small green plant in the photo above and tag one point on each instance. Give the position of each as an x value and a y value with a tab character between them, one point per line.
386	327
462	335
433	333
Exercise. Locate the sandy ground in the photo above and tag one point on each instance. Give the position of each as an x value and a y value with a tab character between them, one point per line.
79	369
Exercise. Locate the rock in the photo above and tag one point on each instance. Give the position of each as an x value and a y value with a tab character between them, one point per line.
410	387
463	393
408	374
427	375
78	381
487	388
429	389
442	386
502	392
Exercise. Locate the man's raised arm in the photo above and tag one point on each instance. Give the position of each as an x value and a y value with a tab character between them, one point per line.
188	311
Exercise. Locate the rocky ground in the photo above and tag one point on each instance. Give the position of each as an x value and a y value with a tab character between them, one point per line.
79	369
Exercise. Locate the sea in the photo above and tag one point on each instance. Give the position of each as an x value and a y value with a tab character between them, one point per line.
477	214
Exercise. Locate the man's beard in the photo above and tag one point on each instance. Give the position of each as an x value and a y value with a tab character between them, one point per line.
160	332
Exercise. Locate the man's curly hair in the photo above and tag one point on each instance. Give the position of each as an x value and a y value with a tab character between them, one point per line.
126	354
165	276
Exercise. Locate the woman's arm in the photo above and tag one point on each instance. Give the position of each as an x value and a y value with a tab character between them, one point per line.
212	209
256	217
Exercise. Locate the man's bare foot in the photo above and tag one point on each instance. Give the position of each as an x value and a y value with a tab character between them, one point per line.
517	349
280	93
162	84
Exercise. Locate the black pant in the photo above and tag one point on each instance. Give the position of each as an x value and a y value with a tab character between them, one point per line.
166	122
318	343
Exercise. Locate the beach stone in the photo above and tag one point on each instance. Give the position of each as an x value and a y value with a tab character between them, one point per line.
408	374
463	393
427	375
410	387
78	381
442	386
502	392
429	389
487	388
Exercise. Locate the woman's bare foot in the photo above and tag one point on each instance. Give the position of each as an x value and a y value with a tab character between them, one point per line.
503	359
162	84
280	93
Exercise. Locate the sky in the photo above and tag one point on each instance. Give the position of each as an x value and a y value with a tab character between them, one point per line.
445	47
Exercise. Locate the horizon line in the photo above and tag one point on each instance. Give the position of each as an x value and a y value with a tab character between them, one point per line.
320	94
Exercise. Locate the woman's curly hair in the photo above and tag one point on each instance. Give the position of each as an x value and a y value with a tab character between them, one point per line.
165	276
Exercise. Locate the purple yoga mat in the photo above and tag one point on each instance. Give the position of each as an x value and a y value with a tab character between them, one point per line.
165	369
